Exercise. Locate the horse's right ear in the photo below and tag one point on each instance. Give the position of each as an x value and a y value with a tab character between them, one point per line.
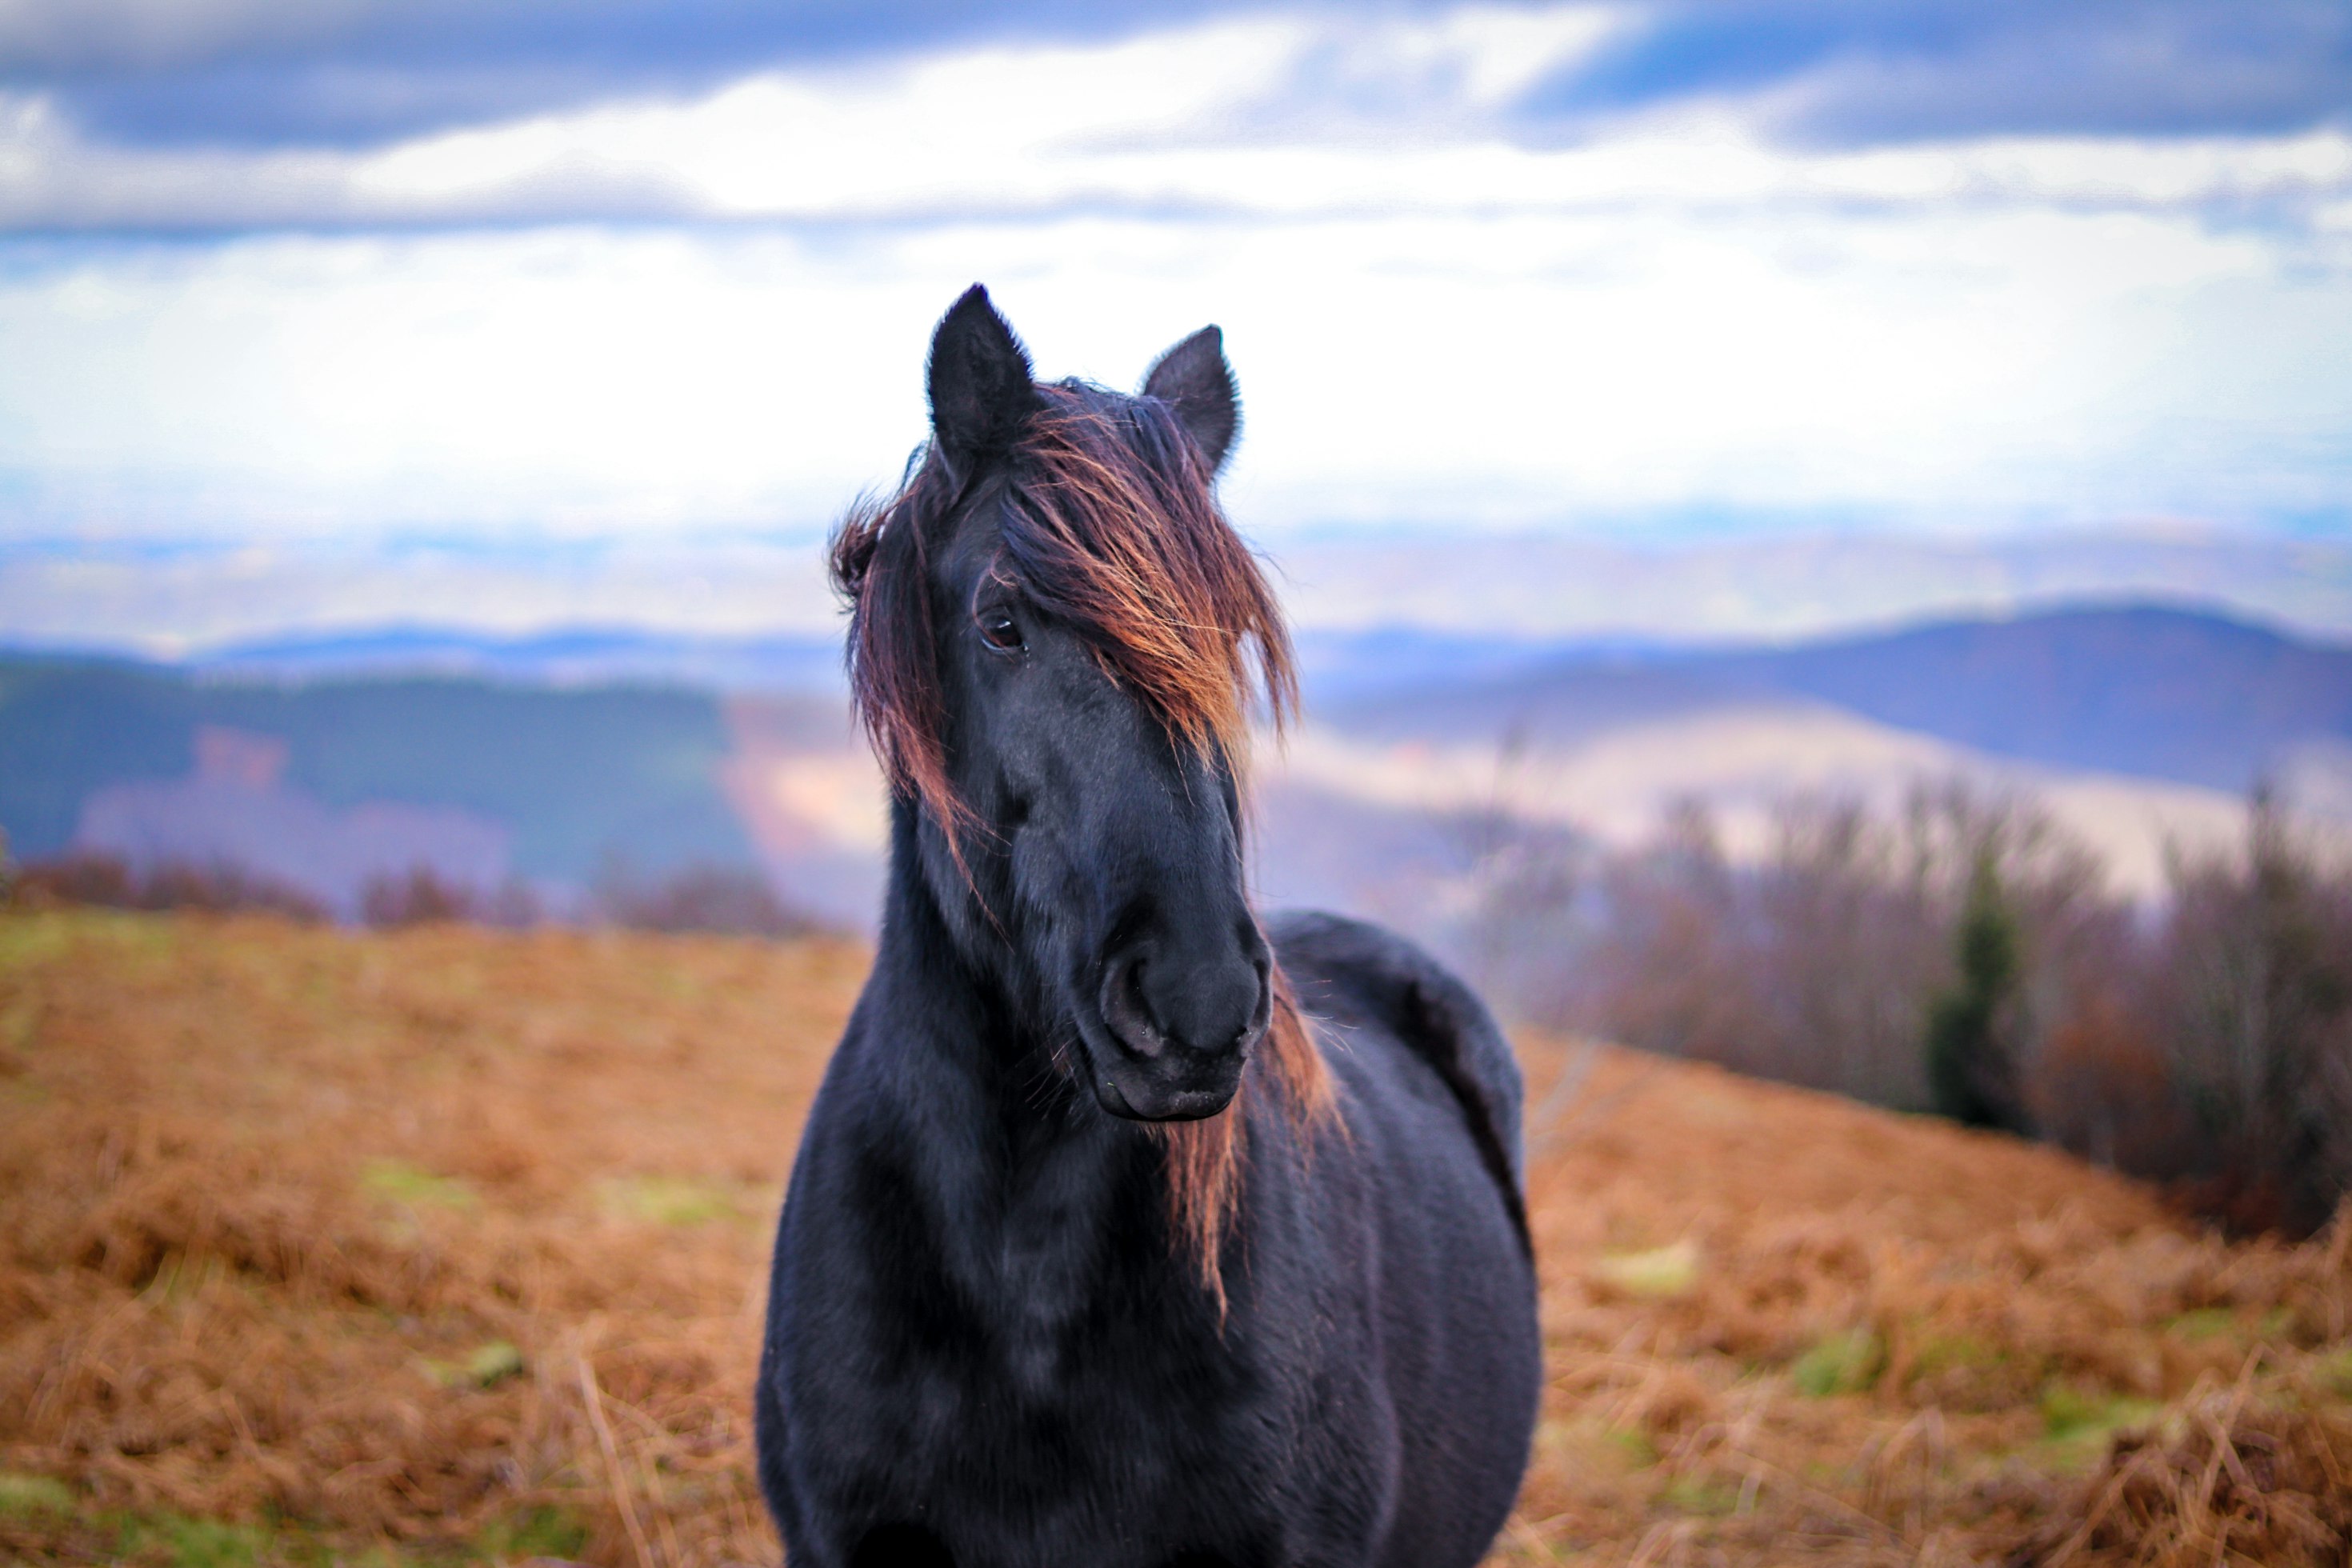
982	391
1193	379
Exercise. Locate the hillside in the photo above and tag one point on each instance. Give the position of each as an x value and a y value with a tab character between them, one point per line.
2139	731
448	1244
560	779
2183	696
2161	693
578	656
2138	728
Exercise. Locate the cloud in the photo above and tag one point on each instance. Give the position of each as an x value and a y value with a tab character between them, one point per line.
359	73
353	74
1686	295
1865	73
1246	118
1618	368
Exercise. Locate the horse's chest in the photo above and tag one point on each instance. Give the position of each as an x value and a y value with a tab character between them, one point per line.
1021	1392
1065	1448
1051	1363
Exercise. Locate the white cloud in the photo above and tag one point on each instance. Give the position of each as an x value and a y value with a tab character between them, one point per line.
1964	365
1270	117
1429	320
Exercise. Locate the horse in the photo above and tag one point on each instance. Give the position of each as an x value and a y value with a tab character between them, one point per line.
1127	1228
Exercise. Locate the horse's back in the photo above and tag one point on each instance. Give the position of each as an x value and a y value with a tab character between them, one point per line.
1432	1095
1352	972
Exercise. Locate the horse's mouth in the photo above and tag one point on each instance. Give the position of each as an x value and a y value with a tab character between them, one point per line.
1136	1091
1177	1105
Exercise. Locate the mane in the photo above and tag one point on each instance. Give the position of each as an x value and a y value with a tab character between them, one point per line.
1113	528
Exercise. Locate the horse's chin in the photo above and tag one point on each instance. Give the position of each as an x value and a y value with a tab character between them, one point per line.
1147	1101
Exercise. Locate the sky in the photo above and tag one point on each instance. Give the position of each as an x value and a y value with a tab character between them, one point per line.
310	273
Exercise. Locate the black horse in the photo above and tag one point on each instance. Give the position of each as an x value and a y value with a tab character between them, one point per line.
1097	1251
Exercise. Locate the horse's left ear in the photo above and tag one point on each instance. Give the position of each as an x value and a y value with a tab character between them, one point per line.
980	382
1193	379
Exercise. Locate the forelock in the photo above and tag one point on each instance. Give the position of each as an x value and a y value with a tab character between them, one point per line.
1113	526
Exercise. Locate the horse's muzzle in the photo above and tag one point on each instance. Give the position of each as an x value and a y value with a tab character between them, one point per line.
1180	1028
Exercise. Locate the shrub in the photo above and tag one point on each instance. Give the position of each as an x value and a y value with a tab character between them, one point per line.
1972	1070
2254	978
722	898
108	882
422	895
1963	954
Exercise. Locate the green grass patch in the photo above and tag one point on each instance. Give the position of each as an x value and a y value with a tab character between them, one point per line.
1699	1495
2204	1323
1840	1364
16	1023
667	1200
488	1367
189	1542
27	940
493	1364
21	1493
31	938
536	1533
397	1180
162	1539
2335	1370
2077	1423
1953	1353
1632	1445
1659	1272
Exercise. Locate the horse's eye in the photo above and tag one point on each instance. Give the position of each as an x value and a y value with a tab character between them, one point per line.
1000	631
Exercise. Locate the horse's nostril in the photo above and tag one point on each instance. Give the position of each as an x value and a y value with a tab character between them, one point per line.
1127	1008
1137	998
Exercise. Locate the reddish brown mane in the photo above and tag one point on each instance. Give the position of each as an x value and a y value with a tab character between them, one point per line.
1113	528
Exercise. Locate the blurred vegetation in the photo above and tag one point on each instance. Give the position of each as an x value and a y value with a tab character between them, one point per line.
1962	954
712	899
103	881
1971	1072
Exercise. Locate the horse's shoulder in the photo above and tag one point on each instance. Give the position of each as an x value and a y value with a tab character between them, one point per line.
1355	972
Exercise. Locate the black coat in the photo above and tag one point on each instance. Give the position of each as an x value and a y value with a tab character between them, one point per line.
983	1348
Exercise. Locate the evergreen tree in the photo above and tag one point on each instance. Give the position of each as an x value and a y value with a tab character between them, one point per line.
1971	1071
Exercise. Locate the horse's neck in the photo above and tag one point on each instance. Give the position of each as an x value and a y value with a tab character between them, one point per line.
1023	1177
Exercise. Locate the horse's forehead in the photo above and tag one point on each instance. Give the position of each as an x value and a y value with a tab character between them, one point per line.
975	537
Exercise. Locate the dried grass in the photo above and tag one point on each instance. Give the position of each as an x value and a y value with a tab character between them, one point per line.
2226	1477
439	1242
267	1187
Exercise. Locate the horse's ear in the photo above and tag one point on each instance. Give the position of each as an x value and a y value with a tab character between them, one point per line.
982	388
1193	379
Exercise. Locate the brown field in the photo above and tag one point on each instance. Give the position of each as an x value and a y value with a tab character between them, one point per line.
447	1246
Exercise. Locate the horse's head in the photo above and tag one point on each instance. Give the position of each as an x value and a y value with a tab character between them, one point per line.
1057	642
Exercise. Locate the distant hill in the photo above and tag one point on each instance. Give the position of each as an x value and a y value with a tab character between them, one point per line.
2161	693
1333	664
2188	696
578	656
1340	666
2180	694
545	757
569	777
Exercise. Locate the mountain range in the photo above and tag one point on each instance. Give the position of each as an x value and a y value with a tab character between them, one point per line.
550	758
2146	690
